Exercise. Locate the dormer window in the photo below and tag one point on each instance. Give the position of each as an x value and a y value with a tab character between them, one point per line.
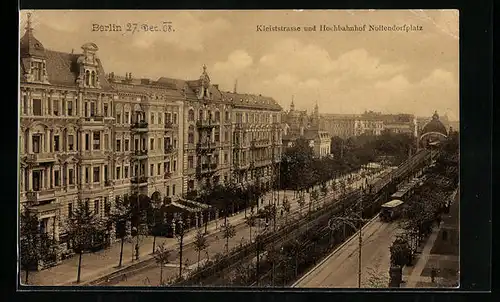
37	70
93	78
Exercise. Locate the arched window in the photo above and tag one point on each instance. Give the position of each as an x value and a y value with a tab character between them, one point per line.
93	80
191	135
191	115
87	78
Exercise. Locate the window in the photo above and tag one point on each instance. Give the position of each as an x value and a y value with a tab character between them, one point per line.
25	104
118	118
56	143
71	173
200	114
217	136
125	172
151	169
159	119
126	117
190	162
37	107
217	116
173	189
87	78
190	115
96	206
87	175
167	192
225	158
37	179
158	169
105	109
226	136
97	141
86	109
118	145
190	138
57	178
56	107
106	172
175	166
70	210
92	109
107	207
167	166
37	70
97	174
71	143
87	141
175	119
106	141
118	176
126	147
227	116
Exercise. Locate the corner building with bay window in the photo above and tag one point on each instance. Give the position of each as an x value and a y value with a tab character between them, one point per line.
86	135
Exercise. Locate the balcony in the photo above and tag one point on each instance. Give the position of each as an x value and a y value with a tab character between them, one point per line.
140	154
205	169
94	118
139	180
170	126
169	149
259	143
139	126
205	147
41	194
207	123
40	158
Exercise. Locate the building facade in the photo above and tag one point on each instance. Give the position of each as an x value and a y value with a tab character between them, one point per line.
91	136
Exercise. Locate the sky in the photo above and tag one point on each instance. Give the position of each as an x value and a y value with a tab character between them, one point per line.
413	72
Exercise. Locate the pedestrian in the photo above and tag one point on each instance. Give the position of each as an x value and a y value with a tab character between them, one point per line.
433	274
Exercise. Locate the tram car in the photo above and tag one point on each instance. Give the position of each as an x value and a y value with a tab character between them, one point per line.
391	210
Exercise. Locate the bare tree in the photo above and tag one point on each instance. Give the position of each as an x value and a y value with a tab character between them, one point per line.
250	221
81	228
200	244
286	207
161	257
228	232
301	201
120	214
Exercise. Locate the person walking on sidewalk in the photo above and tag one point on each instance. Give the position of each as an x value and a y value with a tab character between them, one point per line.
433	274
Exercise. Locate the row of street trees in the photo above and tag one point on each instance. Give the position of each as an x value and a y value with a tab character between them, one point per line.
300	170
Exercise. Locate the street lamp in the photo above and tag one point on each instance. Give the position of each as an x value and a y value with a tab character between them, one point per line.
333	224
180	236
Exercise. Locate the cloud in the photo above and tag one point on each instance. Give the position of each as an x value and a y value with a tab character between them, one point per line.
397	83
236	61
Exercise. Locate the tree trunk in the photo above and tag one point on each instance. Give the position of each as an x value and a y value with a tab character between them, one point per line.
121	252
79	267
154	243
161	274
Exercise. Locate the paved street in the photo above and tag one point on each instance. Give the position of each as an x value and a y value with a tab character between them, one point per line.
341	269
104	262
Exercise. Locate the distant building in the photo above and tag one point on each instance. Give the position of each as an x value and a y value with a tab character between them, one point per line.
321	142
341	125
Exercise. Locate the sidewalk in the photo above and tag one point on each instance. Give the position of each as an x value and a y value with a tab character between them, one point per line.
104	262
440	252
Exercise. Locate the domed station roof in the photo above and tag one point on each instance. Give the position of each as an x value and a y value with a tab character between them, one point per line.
435	125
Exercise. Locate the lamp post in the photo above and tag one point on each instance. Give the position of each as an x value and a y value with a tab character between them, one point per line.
352	220
180	236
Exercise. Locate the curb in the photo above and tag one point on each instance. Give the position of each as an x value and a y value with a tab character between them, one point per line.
354	236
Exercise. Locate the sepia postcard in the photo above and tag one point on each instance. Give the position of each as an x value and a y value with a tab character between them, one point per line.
273	148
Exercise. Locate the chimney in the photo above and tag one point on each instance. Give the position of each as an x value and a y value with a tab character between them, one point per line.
235	86
72	50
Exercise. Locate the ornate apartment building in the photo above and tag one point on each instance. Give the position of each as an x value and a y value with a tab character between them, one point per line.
85	135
